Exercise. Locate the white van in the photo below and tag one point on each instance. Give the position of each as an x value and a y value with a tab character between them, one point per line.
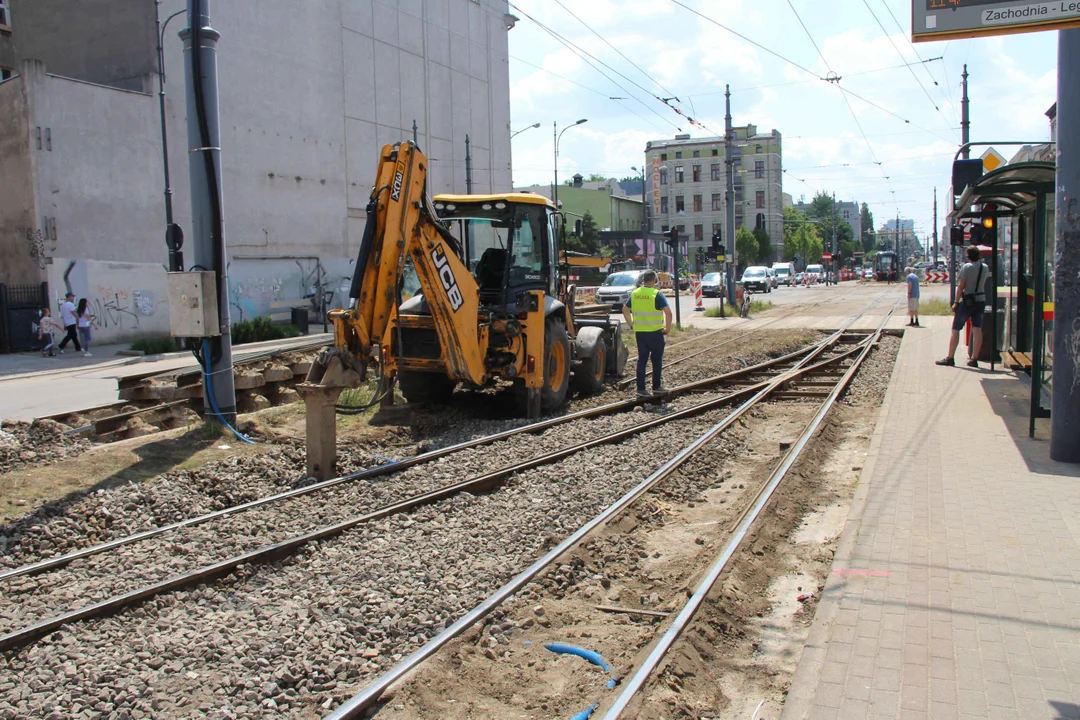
816	273
785	273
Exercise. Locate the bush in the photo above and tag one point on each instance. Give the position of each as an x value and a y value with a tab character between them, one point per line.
260	329
936	306
717	311
155	345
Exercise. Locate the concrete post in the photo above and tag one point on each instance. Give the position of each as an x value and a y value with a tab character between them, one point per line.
320	425
729	197
1065	399
207	212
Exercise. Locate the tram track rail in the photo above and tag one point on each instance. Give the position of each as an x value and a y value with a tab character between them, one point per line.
369	697
773	371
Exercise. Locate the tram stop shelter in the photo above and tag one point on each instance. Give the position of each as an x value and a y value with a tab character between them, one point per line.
1020	199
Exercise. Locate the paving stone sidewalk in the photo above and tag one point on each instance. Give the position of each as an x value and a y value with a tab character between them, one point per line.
955	592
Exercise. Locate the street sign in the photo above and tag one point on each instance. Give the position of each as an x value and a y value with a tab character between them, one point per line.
953	19
992	160
826	256
720	257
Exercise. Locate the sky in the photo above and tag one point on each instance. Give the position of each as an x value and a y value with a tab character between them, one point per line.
887	141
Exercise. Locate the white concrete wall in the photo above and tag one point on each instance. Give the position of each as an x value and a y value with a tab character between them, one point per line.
127	300
309	94
100	185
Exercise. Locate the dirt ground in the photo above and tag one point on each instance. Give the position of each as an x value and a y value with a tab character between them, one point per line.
738	656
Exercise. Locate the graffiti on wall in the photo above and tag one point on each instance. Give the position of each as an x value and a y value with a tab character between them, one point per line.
113	307
255	284
35	247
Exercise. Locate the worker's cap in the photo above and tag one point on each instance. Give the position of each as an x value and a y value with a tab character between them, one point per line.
70	295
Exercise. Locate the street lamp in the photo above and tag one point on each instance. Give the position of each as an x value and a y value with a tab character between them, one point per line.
558	137
530	127
173	237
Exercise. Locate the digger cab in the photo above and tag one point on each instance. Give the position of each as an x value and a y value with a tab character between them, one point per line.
508	242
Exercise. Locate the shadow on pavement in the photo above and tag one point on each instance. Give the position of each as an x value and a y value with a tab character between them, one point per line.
1010	400
1065	710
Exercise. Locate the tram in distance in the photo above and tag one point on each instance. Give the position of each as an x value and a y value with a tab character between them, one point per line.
886	266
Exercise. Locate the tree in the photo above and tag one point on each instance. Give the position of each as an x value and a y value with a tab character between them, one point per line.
866	225
765	248
594	177
821	207
746	245
590	233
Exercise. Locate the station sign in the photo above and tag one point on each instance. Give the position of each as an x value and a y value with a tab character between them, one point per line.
952	19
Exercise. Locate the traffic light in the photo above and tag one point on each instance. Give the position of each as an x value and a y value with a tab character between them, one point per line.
956	236
976	236
673	240
716	241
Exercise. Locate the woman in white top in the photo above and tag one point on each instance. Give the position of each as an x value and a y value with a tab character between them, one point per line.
85	323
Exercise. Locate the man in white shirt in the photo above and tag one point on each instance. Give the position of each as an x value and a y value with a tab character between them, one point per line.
71	322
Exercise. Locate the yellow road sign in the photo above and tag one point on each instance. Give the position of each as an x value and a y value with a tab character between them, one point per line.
992	160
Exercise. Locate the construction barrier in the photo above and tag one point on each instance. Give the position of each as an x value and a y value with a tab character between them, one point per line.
937	276
695	287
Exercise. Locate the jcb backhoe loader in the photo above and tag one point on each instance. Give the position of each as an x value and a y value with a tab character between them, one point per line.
492	301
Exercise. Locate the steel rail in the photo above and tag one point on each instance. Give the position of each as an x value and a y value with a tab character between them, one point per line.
477	484
381	470
356	706
660	650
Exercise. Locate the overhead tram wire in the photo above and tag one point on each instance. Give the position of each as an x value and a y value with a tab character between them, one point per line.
897	49
835	80
948	96
791	62
589	58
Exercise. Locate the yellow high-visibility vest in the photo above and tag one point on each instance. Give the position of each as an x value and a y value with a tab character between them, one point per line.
643	308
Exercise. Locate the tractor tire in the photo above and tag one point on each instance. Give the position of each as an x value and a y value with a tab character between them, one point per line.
589	375
556	367
425	387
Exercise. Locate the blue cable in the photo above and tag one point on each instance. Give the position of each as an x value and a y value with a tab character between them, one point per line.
213	403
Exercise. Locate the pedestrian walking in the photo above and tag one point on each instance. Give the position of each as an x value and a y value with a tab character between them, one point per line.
968	304
47	328
912	297
71	323
85	323
650	316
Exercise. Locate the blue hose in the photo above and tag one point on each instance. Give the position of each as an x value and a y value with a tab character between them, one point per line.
213	403
593	657
586	713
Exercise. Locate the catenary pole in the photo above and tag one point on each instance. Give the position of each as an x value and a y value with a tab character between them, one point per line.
933	258
965	138
468	166
729	197
207	211
1065	398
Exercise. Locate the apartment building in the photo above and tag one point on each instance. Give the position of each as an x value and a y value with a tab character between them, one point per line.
687	182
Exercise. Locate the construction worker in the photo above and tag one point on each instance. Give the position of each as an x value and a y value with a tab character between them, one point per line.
649	315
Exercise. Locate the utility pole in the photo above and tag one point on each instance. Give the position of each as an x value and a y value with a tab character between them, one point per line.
933	258
468	166
965	138
207	217
644	215
1065	400
729	198
832	262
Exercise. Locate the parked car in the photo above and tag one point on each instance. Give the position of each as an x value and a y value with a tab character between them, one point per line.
816	273
712	284
616	288
799	277
756	277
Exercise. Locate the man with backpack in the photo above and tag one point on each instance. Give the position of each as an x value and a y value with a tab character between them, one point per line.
968	304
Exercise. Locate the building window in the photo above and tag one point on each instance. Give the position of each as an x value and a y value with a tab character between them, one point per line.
716	201
716	229
678	154
6	74
714	172
664	228
697	173
697	203
759	168
5	15
679	205
663	205
715	152
699	233
759	223
758	150
678	173
760	195
847	214
663	176
682	229
697	153
663	157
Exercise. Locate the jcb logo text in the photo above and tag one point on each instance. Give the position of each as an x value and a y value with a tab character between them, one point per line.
442	265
